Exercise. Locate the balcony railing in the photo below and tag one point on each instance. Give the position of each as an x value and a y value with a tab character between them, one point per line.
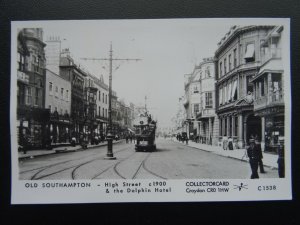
272	99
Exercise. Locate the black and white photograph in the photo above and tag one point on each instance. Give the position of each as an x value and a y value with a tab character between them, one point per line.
159	109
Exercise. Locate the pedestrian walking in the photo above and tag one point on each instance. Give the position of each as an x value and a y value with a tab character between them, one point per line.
130	137
254	155
126	138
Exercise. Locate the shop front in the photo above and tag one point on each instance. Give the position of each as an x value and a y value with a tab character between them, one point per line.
32	124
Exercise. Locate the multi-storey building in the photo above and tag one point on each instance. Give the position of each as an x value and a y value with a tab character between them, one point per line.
73	73
102	105
90	108
192	102
58	101
237	61
208	121
32	117
268	90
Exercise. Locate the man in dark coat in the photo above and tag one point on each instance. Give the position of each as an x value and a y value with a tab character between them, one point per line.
260	162
254	156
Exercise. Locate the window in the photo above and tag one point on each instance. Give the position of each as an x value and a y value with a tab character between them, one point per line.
28	95
234	91
99	97
196	89
225	93
196	109
236	123
21	61
249	53
56	91
62	93
234	58
249	85
229	62
220	96
262	88
67	95
103	99
103	112
36	99
50	88
221	69
225	66
207	72
99	110
208	100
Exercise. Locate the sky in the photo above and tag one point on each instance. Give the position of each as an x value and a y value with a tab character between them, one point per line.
168	49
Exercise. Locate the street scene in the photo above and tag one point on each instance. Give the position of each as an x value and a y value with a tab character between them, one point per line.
171	160
115	100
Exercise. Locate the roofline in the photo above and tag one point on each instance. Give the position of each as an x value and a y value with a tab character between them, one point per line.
237	33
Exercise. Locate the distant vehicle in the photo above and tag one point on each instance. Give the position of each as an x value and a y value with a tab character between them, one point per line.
145	129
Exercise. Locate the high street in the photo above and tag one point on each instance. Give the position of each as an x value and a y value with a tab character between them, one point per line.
172	160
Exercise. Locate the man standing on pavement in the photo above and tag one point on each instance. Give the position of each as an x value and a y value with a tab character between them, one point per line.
260	162
253	154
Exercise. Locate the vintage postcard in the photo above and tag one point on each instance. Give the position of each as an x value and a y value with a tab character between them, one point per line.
164	110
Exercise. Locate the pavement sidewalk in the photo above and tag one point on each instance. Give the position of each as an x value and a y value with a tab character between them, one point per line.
269	160
57	150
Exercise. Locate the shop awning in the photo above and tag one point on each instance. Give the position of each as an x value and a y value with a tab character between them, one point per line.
234	89
249	51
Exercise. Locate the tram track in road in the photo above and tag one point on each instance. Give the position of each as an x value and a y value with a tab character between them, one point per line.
141	165
44	167
114	167
73	173
35	176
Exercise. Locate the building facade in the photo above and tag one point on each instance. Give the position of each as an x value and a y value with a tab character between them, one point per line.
192	102
58	101
76	76
102	106
238	59
207	120
32	117
268	90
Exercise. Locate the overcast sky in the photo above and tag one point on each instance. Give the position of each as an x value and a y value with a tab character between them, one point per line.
168	49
